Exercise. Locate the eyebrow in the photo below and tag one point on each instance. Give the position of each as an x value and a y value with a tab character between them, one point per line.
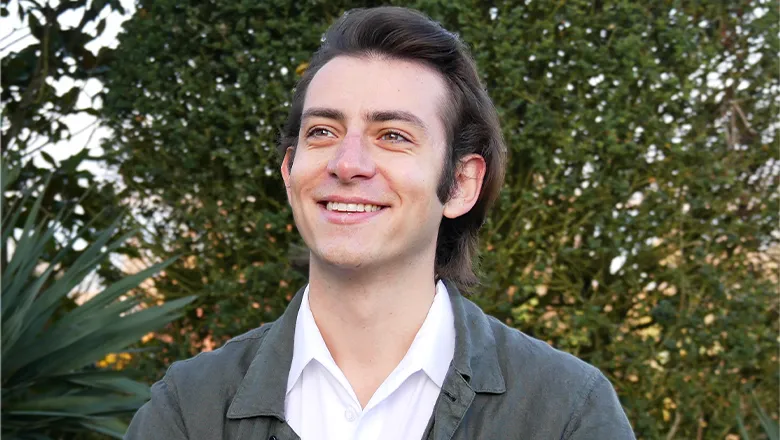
327	113
374	116
396	115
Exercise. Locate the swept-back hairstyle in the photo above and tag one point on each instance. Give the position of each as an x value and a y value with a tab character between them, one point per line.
469	116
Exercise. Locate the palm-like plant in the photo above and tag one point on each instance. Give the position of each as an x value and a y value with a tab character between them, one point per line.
771	429
50	385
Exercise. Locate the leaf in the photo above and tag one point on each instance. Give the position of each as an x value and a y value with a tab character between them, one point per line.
75	406
35	26
771	428
47	157
81	267
119	384
101	26
9	176
70	164
117	6
112	427
117	289
69	99
741	425
88	60
24	257
63	336
120	333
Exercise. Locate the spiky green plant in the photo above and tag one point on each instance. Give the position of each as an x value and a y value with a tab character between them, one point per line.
770	428
51	387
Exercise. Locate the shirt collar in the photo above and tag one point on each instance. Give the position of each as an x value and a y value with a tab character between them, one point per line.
431	350
308	345
434	346
261	393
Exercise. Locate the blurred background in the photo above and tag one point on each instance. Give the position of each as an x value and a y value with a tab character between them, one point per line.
144	218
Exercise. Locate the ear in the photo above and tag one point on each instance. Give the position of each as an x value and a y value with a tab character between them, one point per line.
286	166
468	185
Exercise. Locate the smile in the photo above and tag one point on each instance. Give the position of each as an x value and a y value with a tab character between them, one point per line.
350	212
352	207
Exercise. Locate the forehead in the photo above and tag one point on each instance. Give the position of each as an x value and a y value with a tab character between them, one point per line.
355	85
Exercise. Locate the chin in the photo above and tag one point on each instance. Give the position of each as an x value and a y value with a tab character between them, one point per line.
344	259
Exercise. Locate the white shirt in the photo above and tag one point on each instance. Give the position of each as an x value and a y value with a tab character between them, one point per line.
321	404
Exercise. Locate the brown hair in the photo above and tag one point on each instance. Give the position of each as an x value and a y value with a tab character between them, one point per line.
470	118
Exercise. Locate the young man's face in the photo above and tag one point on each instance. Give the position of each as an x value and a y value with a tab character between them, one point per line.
370	153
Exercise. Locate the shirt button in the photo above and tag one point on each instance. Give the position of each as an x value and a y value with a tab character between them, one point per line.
350	414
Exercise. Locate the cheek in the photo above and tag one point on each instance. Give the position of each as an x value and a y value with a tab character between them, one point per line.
304	172
418	185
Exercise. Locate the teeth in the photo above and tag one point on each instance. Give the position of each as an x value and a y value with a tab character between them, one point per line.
352	207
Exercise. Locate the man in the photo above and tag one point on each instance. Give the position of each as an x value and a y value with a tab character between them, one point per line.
392	157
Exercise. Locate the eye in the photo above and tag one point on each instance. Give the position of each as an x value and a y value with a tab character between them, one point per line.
393	136
320	132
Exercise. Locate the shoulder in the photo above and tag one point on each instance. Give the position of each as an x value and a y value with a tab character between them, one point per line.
554	392
192	399
537	356
533	367
522	354
219	370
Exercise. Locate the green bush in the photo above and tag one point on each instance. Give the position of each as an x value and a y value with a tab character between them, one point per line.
635	227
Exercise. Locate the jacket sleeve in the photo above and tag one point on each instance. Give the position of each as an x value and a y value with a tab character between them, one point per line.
600	415
160	417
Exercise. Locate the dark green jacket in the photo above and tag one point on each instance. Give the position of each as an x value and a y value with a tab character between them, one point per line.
502	384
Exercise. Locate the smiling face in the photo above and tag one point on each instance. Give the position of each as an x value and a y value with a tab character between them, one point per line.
369	157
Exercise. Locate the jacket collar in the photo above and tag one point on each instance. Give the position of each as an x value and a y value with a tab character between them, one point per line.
476	354
263	390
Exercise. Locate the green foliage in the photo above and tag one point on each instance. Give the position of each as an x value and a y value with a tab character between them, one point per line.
50	386
31	105
34	113
635	227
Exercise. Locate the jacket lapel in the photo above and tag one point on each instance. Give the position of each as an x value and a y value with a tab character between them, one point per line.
263	390
474	369
476	356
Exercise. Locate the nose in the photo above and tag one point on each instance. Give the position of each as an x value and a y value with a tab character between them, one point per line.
351	160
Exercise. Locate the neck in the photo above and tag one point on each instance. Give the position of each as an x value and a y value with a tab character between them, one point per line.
369	319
